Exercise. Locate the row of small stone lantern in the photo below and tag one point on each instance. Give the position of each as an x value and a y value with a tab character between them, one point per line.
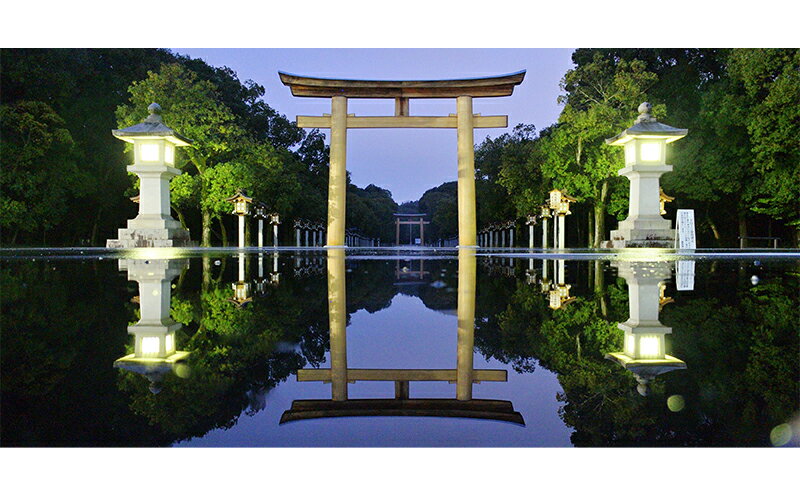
495	235
557	206
353	238
242	208
308	233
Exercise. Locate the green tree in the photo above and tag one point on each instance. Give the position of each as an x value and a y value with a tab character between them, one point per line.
193	108
40	177
771	80
599	101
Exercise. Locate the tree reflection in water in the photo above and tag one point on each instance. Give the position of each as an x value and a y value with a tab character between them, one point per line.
64	324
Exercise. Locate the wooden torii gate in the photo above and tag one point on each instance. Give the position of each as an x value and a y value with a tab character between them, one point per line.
463	90
410	219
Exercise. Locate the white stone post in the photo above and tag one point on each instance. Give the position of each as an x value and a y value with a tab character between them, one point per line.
544	233
241	233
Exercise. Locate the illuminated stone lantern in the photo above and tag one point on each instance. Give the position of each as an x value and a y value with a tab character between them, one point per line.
644	349
274	220
155	353
559	203
241	208
544	215
530	223
645	146
260	215
663	200
154	162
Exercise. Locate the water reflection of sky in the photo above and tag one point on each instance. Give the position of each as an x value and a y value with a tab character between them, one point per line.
405	335
721	351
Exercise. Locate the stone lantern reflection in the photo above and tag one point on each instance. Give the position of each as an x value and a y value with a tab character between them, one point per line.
644	349
645	146
154	162
241	288
155	349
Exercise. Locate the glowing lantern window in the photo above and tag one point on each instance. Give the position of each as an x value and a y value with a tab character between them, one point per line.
148	152
650	152
630	342
630	153
150	345
170	343
169	154
649	347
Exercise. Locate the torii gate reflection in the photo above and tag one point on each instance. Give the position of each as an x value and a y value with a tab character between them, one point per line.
339	121
464	376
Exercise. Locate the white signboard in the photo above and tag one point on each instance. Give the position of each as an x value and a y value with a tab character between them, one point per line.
684	230
684	278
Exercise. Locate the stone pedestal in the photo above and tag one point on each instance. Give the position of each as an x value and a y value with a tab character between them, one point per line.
153	227
644	227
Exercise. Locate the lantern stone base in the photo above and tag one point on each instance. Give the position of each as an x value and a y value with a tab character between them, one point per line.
642	232
150	237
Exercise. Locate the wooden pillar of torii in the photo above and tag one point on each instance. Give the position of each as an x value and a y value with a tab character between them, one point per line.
464	121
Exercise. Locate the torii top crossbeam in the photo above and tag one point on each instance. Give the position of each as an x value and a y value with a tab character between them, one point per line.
478	87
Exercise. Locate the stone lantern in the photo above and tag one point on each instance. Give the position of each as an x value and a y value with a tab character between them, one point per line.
644	349
645	145
544	215
274	220
559	203
155	353
154	162
260	215
241	207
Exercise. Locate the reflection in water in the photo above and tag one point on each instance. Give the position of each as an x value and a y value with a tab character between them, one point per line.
241	288
155	352
241	357
644	352
464	376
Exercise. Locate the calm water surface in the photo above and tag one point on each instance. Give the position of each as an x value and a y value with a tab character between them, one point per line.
394	348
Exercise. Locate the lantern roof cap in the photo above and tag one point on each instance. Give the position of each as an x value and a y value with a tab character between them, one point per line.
646	126
240	195
152	126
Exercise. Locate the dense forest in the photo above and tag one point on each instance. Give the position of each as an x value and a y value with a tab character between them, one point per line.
64	182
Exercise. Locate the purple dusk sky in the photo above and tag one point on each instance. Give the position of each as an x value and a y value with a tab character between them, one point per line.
405	161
